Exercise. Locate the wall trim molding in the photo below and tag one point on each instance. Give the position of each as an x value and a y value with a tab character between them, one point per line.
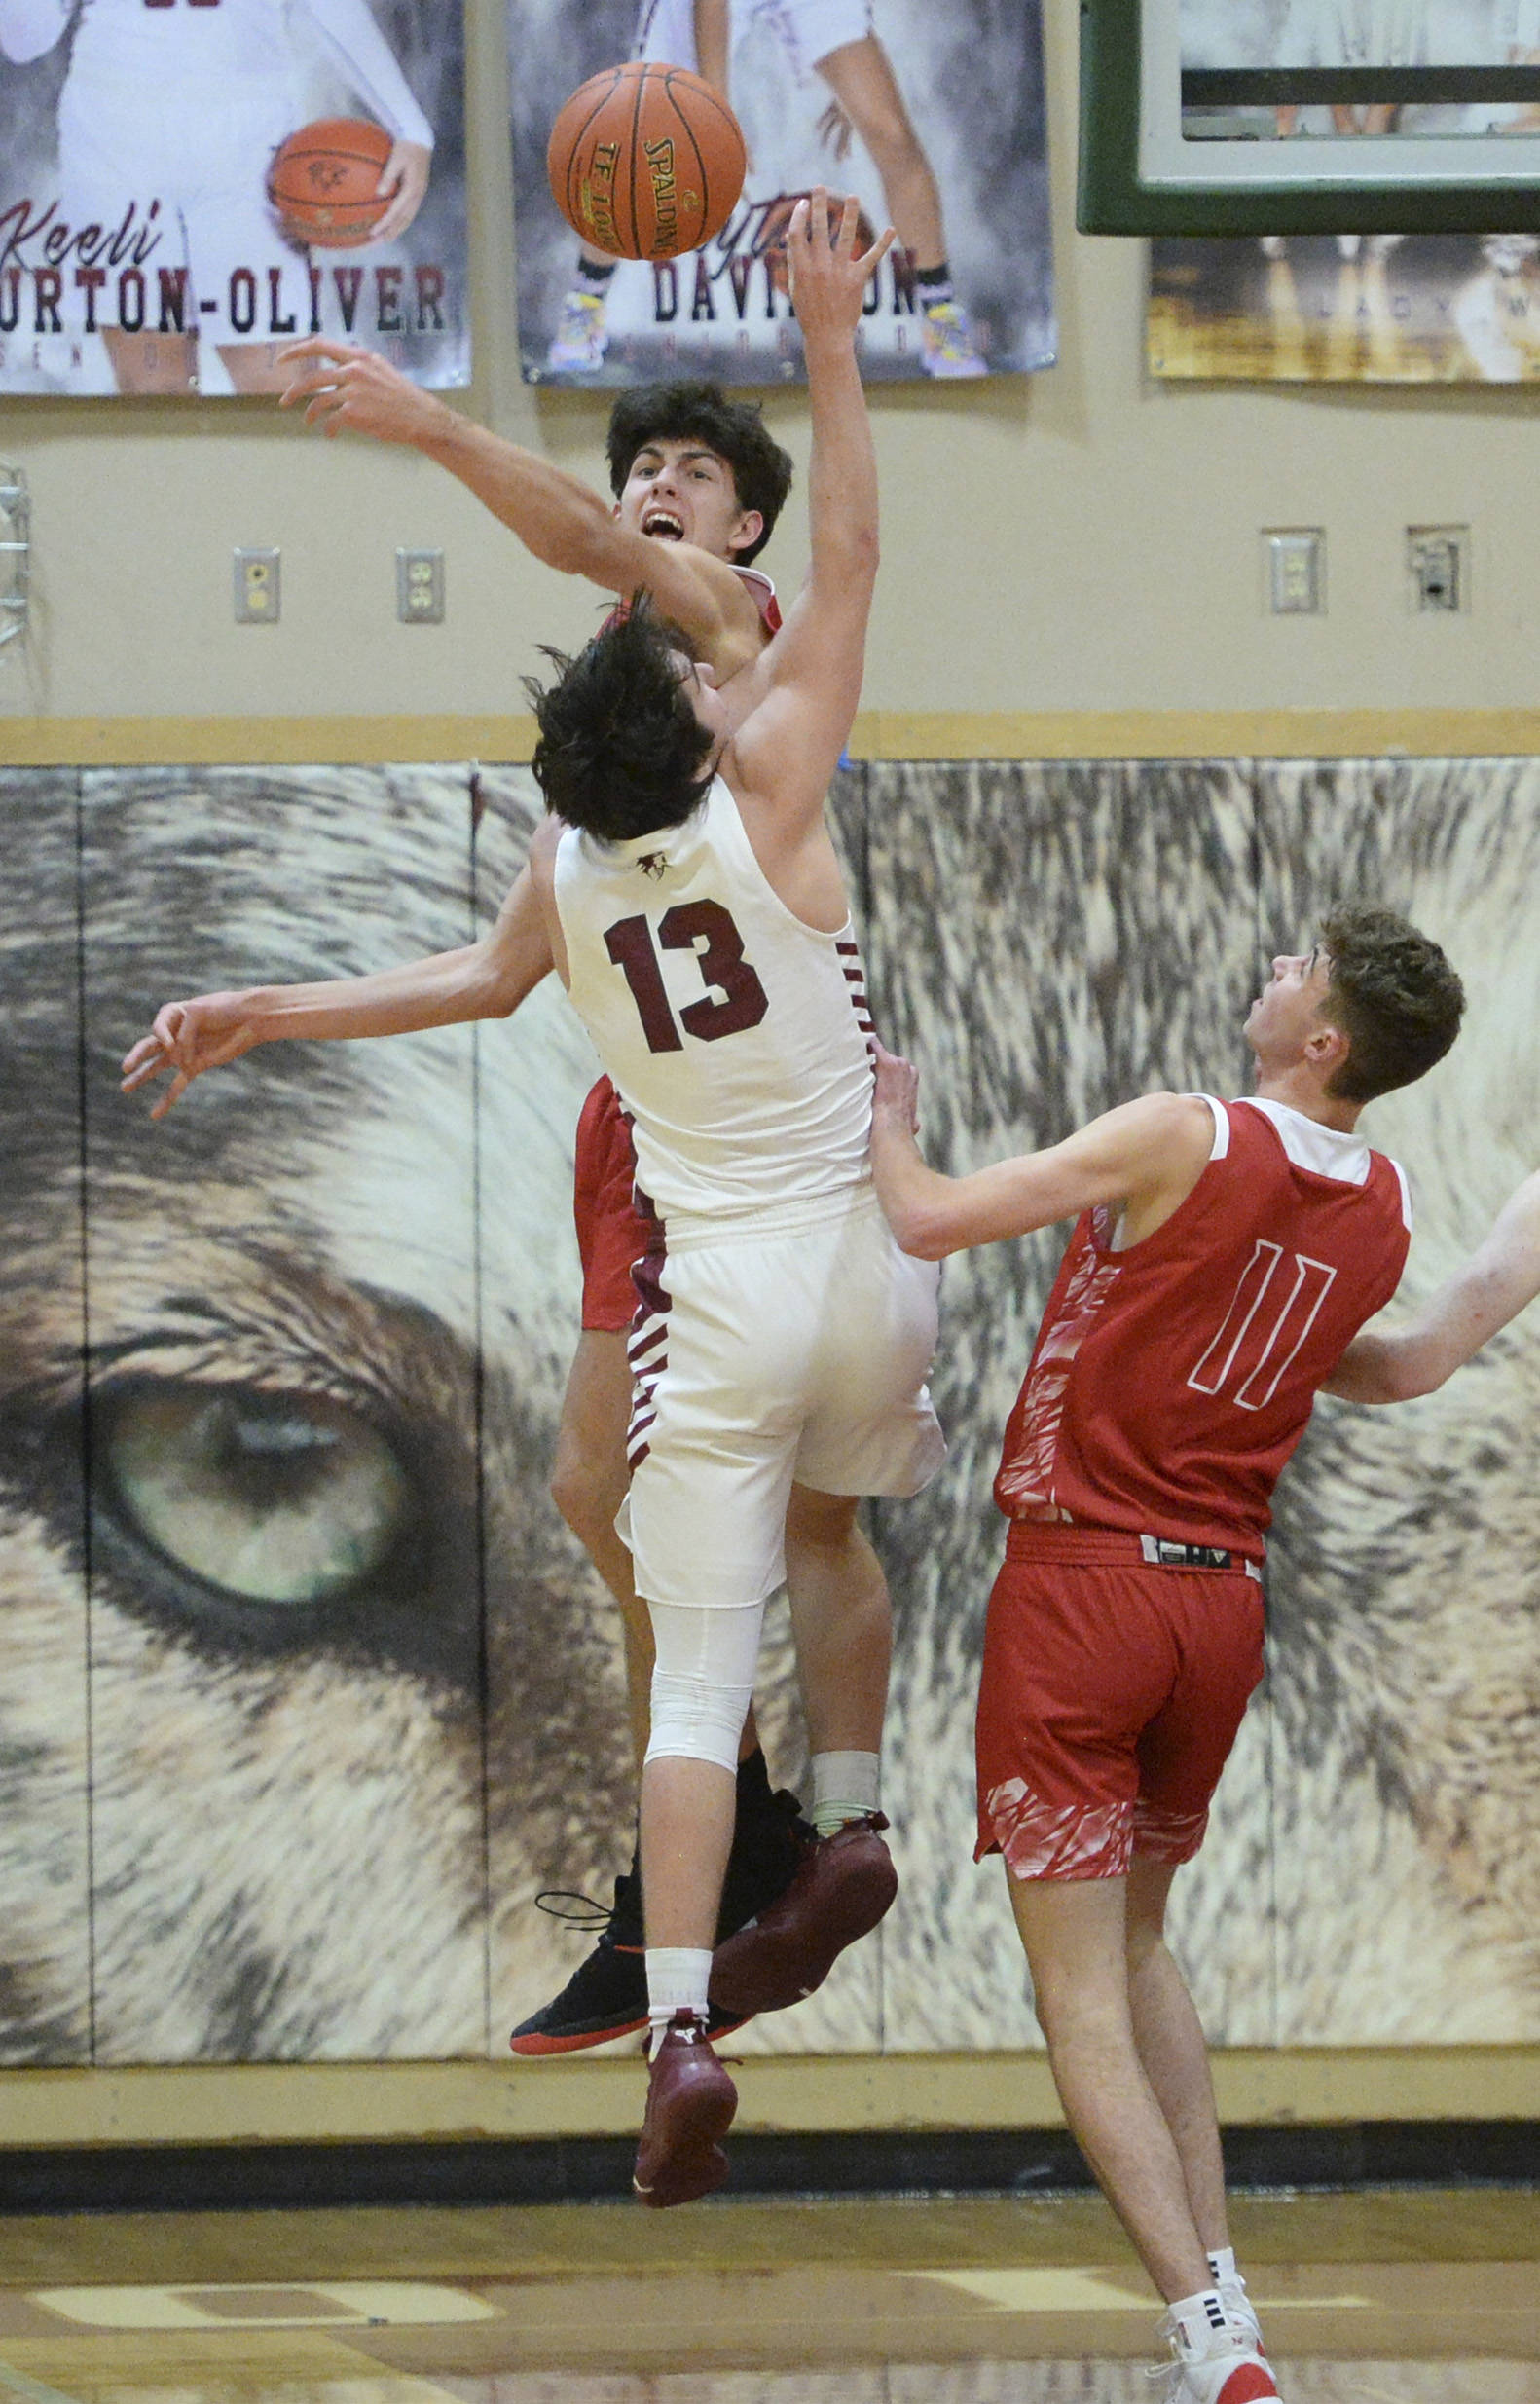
879	734
1021	2164
393	2102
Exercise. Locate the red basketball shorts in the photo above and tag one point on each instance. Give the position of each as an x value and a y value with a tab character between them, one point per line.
611	1232
1111	1692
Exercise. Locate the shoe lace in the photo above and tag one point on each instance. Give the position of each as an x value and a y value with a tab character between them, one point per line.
1170	2371
589	1914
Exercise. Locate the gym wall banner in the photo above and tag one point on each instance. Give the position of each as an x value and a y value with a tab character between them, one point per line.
1417	306
1348	308
140	247
934	116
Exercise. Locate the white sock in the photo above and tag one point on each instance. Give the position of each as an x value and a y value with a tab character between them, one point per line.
677	1976
844	1787
1200	2317
1223	2265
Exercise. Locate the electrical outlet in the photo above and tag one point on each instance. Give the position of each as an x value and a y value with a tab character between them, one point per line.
1439	569
1296	563
257	590
419	588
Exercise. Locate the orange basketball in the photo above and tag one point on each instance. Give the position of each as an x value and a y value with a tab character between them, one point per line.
322	180
646	161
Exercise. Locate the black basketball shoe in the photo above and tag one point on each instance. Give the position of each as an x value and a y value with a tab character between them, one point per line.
607	1995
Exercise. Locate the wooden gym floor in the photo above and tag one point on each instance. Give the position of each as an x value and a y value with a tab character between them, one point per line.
1412	2297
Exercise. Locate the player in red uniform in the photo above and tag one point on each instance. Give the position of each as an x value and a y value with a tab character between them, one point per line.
1224	1257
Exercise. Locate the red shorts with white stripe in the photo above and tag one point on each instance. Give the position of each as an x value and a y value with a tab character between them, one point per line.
612	1234
1112	1691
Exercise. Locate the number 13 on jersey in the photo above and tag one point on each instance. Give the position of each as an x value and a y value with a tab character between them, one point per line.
733	999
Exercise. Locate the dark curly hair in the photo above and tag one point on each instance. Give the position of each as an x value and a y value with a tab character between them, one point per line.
1393	994
692	410
622	751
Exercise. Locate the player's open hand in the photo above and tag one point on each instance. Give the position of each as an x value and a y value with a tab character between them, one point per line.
187	1038
404	176
897	1096
829	274
344	385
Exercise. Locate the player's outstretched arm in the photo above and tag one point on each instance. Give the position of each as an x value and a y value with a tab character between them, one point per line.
1147	1155
484	980
790	742
567	525
1501	1278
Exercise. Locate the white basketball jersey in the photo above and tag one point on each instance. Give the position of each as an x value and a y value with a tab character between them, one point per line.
216	46
737	1037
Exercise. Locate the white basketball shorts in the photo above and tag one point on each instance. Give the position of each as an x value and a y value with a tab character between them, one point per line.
665	34
759	1359
806	29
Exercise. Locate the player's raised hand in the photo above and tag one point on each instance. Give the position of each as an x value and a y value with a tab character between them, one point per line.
896	1094
187	1038
404	175
829	275
344	385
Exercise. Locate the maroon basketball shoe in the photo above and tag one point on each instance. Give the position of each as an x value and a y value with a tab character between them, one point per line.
690	2105
838	1892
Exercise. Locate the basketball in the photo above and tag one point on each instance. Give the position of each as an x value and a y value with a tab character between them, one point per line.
646	162
321	183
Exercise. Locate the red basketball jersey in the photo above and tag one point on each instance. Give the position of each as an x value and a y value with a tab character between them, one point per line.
761	592
1171	1381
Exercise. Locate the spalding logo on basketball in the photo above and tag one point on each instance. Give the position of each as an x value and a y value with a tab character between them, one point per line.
646	160
321	183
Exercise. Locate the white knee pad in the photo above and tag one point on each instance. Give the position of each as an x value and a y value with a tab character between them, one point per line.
703	1680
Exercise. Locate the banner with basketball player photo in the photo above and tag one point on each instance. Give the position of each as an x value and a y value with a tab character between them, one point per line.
1348	308
933	118
187	185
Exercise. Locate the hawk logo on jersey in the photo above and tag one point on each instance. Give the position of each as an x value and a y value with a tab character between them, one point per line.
653	864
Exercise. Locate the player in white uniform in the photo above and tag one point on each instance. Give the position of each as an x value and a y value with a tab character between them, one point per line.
798	695
698	484
836	41
696	911
184	105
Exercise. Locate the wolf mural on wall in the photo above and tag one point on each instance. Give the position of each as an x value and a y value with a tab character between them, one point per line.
345	1696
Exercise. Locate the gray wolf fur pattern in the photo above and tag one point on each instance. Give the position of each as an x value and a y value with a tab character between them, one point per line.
301	1817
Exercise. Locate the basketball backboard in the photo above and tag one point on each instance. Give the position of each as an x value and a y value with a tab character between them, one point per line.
1309	116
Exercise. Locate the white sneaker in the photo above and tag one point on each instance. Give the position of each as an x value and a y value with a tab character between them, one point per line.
581	338
949	345
1214	2365
1239	2307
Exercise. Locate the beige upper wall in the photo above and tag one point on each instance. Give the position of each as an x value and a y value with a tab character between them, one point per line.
1077	540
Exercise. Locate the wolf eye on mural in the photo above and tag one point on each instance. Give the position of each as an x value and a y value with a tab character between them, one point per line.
288	1723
